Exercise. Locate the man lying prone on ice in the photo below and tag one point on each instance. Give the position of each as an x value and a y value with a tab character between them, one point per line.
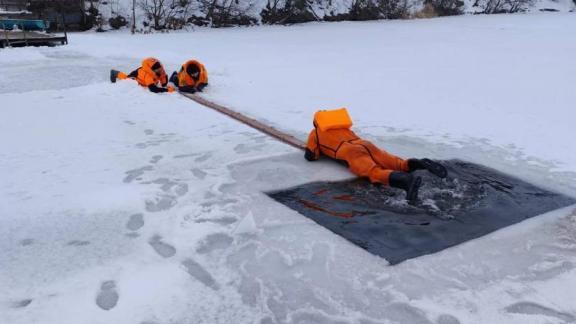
332	137
150	75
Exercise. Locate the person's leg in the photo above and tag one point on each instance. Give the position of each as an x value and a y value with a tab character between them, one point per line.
114	75
384	159
406	181
362	163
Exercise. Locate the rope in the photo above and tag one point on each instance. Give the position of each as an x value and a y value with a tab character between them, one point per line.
268	130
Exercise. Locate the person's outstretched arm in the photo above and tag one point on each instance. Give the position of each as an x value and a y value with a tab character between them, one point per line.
156	89
312	149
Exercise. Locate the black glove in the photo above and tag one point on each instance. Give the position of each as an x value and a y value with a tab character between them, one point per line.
201	86
309	155
154	88
187	89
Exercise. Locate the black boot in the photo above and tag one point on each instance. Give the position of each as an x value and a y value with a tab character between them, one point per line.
435	168
113	76
407	182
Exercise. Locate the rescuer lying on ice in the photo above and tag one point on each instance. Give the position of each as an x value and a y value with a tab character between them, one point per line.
151	75
191	78
332	137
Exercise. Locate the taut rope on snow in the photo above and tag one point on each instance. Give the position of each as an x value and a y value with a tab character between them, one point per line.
268	130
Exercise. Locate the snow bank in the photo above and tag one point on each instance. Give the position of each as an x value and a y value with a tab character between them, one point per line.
293	12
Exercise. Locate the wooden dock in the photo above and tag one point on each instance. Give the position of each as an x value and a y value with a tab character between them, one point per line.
28	32
10	38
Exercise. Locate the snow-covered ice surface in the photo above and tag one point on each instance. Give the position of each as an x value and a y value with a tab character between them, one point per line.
122	206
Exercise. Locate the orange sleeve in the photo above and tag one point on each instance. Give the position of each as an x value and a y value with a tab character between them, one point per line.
312	148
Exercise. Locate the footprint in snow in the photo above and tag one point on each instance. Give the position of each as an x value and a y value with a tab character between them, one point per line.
156	158
132	175
214	242
160	203
135	222
181	156
198	173
165	250
26	242
447	319
530	308
78	243
224	221
107	296
21	303
198	272
203	157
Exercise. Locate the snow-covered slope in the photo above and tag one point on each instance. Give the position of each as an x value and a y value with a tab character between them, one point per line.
316	10
121	206
559	5
532	6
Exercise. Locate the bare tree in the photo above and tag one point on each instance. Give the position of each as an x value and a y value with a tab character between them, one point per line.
221	13
518	5
166	13
133	27
493	6
364	10
394	9
274	12
155	11
447	7
504	6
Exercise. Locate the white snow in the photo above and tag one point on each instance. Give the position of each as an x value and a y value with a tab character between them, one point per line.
122	206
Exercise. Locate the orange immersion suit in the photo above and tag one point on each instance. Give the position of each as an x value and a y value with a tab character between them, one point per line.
151	75
362	157
186	82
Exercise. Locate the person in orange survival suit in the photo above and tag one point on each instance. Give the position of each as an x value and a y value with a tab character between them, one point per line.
151	75
332	137
191	78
